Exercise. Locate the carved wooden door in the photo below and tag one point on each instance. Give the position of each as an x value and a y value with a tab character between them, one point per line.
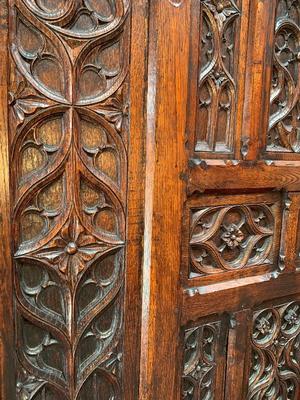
65	79
226	187
150	199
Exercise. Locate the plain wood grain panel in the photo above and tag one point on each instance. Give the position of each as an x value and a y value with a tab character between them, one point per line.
237	295
238	341
244	176
165	161
136	166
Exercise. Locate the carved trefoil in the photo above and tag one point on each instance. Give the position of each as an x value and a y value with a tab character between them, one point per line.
284	122
217	81
275	366
69	142
200	361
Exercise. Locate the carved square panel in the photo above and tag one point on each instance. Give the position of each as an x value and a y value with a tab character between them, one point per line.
232	236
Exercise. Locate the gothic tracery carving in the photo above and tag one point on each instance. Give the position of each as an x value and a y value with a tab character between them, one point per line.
217	80
69	138
200	360
275	368
284	127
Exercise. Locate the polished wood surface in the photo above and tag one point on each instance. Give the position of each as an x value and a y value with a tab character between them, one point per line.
150	200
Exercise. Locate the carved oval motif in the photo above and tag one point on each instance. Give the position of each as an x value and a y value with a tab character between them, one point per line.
100	72
87	20
41	60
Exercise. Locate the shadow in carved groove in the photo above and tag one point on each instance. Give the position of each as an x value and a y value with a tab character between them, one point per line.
275	369
284	125
69	145
217	78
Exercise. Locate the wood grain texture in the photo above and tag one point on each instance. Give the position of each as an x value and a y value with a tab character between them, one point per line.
165	161
149	202
217	277
69	137
7	386
136	198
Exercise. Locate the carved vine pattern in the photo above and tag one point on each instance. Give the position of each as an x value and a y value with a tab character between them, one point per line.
69	135
275	369
284	126
200	353
217	80
231	238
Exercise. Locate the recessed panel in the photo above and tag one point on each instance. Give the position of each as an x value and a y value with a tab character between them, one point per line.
232	236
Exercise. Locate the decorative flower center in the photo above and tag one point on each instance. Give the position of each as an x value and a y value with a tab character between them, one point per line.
264	326
291	317
233	236
71	248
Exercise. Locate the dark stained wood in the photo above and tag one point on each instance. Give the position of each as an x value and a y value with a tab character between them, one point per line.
136	187
149	199
69	131
7	380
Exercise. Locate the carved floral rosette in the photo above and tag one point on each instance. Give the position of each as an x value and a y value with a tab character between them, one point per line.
275	369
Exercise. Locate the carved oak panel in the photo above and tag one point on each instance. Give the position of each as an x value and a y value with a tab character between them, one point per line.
68	147
284	126
203	368
232	235
275	342
217	80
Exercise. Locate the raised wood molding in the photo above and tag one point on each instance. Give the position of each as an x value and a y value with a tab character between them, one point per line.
165	164
7	375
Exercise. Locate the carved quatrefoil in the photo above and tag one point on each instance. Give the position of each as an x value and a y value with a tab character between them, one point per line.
229	238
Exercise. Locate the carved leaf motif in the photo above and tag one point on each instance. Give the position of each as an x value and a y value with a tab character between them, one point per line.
231	238
25	102
67	93
72	249
115	111
198	380
275	365
28	386
284	127
217	84
223	10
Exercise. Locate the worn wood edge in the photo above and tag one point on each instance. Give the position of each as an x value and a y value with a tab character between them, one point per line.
205	175
135	217
7	380
145	360
238	340
237	295
165	163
